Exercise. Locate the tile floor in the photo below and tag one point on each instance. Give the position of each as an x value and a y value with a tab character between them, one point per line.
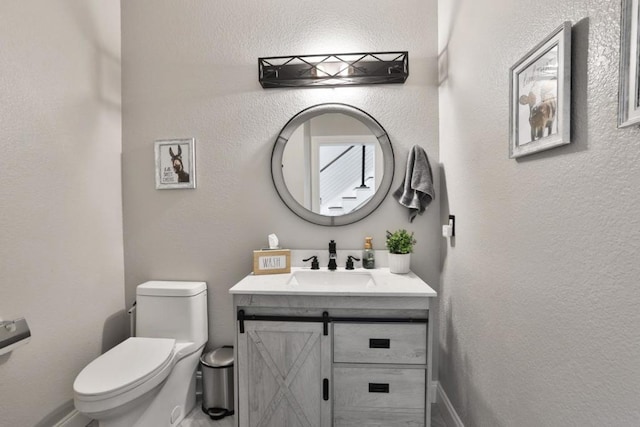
197	418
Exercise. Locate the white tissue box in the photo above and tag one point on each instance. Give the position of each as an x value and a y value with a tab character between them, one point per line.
272	261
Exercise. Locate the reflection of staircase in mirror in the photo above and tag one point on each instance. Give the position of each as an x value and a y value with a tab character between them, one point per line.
345	204
344	186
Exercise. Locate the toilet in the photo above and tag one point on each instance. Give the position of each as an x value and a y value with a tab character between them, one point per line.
149	380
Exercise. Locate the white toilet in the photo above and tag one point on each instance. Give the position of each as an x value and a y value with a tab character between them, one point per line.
149	380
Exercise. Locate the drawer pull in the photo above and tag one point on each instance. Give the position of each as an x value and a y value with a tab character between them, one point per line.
325	389
379	343
378	388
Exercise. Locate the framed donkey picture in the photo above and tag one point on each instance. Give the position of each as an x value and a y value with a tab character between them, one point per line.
540	96
175	164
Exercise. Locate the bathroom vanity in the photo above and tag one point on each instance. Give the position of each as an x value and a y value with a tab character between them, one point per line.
333	348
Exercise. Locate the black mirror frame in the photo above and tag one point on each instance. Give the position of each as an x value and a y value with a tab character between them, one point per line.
278	177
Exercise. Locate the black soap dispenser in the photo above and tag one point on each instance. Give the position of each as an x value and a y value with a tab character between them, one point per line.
368	254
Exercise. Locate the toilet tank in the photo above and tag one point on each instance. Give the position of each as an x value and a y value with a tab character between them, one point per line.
172	309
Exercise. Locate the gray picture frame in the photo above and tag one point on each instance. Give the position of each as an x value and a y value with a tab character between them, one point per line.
175	163
629	85
540	96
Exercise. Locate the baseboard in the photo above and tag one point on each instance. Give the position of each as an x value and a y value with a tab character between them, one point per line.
434	392
447	410
74	419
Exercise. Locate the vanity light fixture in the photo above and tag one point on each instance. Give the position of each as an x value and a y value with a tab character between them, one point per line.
332	70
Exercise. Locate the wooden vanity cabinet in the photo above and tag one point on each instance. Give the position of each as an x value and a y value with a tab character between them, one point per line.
368	366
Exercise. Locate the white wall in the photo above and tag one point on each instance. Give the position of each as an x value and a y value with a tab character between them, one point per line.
61	254
539	293
190	70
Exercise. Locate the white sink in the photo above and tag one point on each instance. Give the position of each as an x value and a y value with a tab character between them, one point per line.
343	280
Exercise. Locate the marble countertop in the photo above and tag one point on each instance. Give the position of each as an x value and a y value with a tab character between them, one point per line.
376	282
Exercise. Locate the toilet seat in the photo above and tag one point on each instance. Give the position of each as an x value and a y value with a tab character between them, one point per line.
128	365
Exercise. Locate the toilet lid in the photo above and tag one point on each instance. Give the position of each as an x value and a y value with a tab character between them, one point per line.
125	366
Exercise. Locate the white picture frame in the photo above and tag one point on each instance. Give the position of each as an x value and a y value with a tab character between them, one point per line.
175	163
540	96
629	85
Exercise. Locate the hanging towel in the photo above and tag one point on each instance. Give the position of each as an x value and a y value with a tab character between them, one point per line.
416	191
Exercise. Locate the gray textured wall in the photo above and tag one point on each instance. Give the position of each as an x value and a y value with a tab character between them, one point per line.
61	260
539	293
190	70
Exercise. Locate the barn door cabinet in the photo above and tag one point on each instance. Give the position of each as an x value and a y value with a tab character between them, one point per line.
336	360
281	367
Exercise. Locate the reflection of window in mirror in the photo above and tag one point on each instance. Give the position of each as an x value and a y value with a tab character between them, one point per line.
346	177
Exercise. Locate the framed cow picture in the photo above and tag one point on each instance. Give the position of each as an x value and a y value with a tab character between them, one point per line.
540	96
175	163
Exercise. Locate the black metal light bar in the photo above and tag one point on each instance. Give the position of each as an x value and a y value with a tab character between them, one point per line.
332	70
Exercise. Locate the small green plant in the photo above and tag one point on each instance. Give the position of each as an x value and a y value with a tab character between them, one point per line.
400	242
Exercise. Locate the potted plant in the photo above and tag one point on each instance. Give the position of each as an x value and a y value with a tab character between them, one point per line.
400	244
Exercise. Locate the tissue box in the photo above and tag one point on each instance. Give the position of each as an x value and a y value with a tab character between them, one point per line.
272	261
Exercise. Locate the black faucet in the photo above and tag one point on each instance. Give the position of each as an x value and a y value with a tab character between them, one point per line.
332	256
350	260
314	262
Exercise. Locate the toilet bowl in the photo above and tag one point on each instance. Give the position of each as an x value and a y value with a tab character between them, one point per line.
149	380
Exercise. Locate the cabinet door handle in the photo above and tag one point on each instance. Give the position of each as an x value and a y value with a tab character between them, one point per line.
378	388
325	389
379	343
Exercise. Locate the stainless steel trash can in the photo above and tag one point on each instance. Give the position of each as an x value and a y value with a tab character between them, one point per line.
217	382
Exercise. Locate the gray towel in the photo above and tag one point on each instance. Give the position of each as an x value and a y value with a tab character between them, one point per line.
416	191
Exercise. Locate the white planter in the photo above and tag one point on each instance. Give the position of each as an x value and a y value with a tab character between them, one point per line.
399	263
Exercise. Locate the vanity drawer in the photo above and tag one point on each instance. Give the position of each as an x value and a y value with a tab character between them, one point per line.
380	343
378	397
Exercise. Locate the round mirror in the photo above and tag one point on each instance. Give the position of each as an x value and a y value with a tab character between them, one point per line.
332	164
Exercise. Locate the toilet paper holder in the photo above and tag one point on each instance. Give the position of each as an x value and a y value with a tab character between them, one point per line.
13	334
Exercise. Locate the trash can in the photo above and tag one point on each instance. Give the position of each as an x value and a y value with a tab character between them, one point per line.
217	382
